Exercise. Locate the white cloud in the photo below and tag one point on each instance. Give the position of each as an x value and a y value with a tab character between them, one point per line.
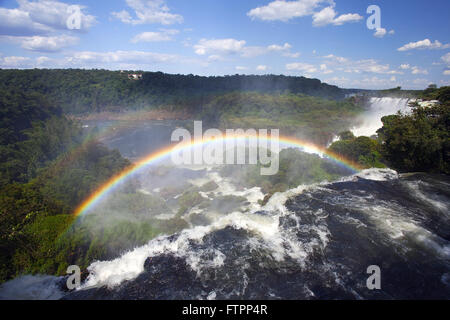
328	16
261	68
39	18
405	66
339	81
15	62
284	10
275	47
15	22
54	13
130	57
291	54
299	66
287	10
363	83
424	44
241	68
446	58
348	17
20	62
417	70
214	57
150	11
380	32
421	83
43	43
371	65
152	36
253	51
226	46
446	73
233	46
359	66
324	69
334	63
336	58
48	44
324	17
113	60
375	82
42	60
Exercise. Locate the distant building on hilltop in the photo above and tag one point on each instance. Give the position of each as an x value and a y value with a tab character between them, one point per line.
135	76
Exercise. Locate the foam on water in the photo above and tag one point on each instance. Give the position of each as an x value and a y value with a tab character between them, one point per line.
227	188
130	265
283	236
401	226
415	187
375	175
281	243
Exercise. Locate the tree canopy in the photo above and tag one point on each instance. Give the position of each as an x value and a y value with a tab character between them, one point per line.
81	91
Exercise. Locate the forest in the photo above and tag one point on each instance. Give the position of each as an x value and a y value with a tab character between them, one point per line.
49	164
85	91
47	167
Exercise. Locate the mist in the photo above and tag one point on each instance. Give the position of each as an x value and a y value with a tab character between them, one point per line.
377	108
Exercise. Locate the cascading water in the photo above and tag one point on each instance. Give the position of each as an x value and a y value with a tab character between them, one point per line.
370	121
311	242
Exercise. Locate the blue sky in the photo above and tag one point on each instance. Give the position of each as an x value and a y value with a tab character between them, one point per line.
324	39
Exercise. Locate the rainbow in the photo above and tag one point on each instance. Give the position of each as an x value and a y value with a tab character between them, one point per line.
153	158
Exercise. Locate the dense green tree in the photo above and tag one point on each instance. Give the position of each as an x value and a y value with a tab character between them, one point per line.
48	165
346	135
362	150
420	141
83	91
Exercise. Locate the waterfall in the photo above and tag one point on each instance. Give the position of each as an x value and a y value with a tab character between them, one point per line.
370	121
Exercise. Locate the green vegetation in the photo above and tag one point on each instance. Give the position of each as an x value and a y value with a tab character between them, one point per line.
295	168
433	93
307	107
310	118
362	150
420	141
47	168
53	242
188	200
87	91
